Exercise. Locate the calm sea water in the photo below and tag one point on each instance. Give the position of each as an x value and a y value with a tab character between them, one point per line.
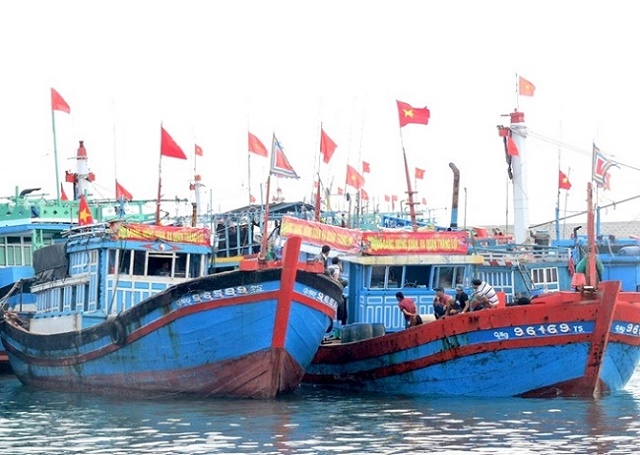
313	421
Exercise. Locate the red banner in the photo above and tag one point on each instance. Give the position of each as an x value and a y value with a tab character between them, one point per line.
150	232
381	243
314	233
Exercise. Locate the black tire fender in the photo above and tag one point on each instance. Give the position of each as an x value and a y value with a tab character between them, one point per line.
118	332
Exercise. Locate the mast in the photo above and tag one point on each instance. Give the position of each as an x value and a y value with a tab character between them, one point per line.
520	185
455	196
592	277
411	203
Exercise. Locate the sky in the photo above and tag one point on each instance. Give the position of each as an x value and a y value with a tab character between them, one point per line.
209	72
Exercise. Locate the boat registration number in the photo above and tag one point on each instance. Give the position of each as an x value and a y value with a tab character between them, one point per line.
626	329
321	297
538	330
220	294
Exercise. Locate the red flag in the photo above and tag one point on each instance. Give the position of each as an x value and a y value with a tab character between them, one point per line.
364	195
512	148
394	198
424	201
340	191
419	173
354	178
525	88
327	146
563	181
84	212
387	198
410	114
366	168
257	147
252	200
63	195
199	150
168	146
58	103
122	193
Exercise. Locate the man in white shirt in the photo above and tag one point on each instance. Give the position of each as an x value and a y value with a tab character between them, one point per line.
484	296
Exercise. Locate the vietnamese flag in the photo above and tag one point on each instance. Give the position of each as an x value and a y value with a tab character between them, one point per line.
364	195
327	146
340	192
563	181
512	148
354	178
252	200
169	147
63	195
257	147
199	150
366	168
58	103
419	173
122	193
525	88
409	114
84	213
387	198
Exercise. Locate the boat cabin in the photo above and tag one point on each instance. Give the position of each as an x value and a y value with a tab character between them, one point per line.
102	270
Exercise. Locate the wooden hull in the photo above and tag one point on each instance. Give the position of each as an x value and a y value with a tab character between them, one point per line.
253	339
562	344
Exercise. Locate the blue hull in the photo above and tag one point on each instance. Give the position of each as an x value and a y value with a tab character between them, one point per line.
252	341
557	346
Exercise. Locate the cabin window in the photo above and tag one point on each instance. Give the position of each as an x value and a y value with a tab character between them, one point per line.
377	277
542	276
195	265
74	296
111	261
416	276
395	276
124	260
181	266
160	264
139	263
448	277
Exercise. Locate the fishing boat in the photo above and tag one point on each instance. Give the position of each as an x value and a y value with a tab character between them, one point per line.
129	308
582	342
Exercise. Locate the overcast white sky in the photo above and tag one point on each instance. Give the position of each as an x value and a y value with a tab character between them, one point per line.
211	70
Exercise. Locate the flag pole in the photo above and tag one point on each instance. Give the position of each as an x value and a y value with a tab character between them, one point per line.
517	93
265	226
412	209
159	180
55	152
316	211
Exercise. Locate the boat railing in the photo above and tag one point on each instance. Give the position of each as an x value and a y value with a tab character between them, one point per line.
525	254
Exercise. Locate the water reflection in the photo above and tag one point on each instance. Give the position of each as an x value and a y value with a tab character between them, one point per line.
313	421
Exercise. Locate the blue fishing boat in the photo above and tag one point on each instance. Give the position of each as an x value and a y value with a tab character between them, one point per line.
129	308
582	342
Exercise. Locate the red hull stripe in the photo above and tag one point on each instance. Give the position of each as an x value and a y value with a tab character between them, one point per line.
165	320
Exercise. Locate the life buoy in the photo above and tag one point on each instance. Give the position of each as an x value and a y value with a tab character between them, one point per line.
118	334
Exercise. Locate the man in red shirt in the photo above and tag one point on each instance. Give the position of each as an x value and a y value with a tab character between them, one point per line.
409	310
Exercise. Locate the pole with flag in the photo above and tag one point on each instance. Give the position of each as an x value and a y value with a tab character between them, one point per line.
280	167
327	148
257	147
197	183
57	104
168	147
408	114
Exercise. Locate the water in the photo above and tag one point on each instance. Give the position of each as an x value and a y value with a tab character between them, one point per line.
313	421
